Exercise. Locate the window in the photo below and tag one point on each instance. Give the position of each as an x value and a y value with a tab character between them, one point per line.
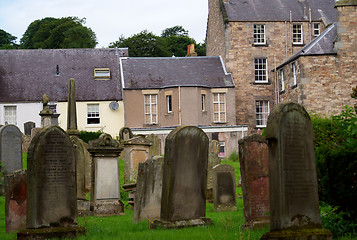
169	103
259	34
102	73
294	74
297	34
52	107
282	80
262	112
219	107
316	29
261	70
203	102
93	114
150	105
10	115
221	149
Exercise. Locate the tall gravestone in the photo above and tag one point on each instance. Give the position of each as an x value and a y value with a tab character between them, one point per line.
28	126
105	192
51	186
294	205
224	188
213	160
183	200
254	168
10	148
148	190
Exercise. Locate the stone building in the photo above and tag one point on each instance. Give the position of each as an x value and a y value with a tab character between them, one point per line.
253	37
320	75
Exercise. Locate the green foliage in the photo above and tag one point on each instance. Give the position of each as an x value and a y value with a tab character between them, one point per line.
335	221
336	160
234	156
53	33
177	31
86	136
7	41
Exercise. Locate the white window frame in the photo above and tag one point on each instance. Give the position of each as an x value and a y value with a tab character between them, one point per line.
298	35
169	103
259	34
220	113
316	29
262	110
282	80
93	113
10	115
261	70
294	74
152	113
222	145
101	73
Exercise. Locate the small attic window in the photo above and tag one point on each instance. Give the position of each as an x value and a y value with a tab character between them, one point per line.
101	73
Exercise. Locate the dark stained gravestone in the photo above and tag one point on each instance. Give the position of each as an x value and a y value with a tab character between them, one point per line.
10	149
148	190
224	189
254	168
183	200
51	186
28	127
294	204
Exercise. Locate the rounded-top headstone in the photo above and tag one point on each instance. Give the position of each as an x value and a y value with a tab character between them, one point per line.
10	148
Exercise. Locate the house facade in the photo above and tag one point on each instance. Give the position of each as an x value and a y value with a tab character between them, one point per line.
320	76
161	94
253	38
26	75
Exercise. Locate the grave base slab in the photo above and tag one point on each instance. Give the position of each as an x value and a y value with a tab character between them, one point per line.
108	208
256	224
51	232
180	224
299	234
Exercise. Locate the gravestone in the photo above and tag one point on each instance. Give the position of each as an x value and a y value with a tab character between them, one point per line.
51	187
213	160
155	147
294	204
224	189
125	134
254	168
148	190
15	201
183	201
136	151
28	126
10	149
105	192
46	113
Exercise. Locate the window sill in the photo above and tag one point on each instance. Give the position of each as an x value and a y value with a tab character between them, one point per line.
169	114
294	86
260	127
262	83
221	123
93	126
298	44
282	91
150	124
260	45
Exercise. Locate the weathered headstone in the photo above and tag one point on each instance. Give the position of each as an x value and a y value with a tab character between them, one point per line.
136	151
28	126
183	201
155	147
213	160
105	193
224	189
51	186
10	149
148	190
254	168
15	201
125	134
294	205
46	113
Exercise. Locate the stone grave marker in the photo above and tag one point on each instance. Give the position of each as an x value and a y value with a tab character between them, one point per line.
183	201
125	134
224	189
10	149
105	192
15	201
155	147
213	160
254	168
294	205
51	187
28	126
148	190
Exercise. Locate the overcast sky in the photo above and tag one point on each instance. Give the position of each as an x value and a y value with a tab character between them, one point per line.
110	18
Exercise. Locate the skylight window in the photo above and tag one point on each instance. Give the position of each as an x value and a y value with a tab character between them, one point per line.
102	73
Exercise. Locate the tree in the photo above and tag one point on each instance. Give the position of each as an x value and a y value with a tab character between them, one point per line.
67	32
7	41
174	31
143	44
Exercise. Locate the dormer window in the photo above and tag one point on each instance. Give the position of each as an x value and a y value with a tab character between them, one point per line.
101	73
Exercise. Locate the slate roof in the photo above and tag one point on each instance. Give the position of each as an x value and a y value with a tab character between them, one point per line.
25	75
321	45
164	72
279	10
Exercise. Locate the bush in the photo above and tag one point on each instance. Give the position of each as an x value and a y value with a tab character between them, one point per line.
234	157
87	136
